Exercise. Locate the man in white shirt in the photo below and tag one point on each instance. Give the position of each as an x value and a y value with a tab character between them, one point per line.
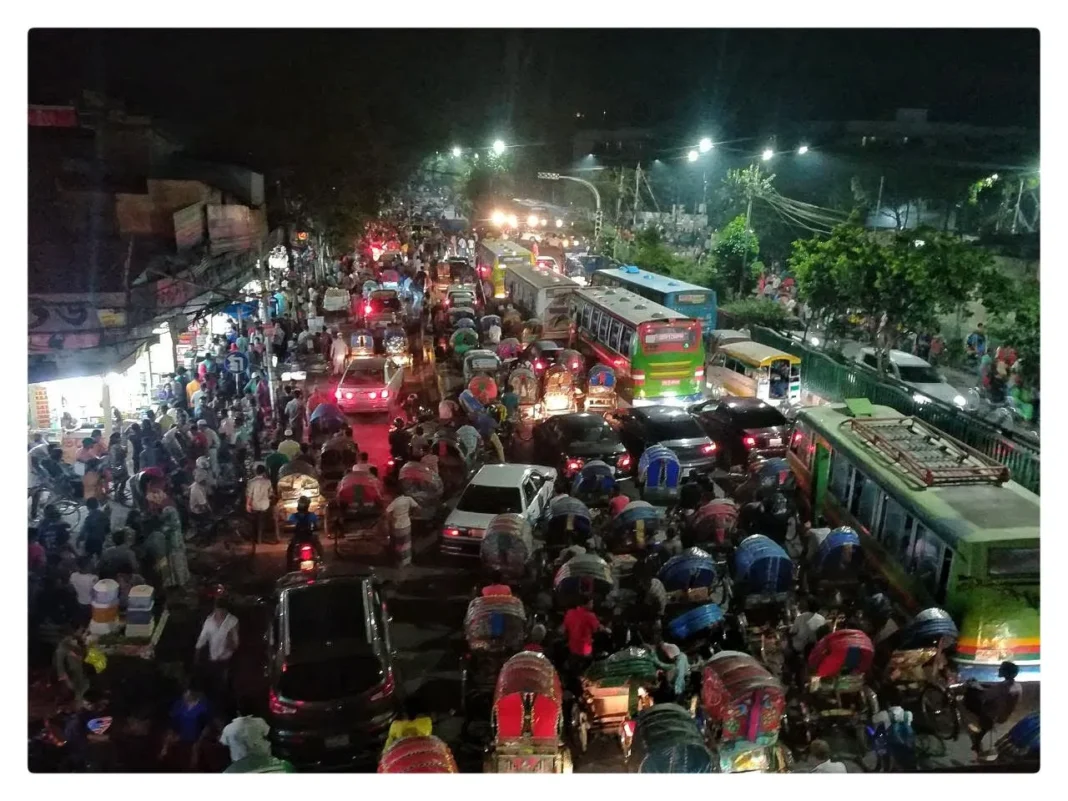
246	735
219	637
399	515
258	494
494	334
227	428
83	580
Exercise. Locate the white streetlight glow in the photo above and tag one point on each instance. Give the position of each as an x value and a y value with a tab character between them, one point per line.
767	154
705	145
513	221
457	152
498	147
532	220
544	222
692	155
559	223
497	218
802	150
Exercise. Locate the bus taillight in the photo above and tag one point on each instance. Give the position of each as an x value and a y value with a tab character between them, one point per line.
638	378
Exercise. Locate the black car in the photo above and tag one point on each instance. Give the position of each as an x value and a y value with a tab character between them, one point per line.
641	427
743	428
542	354
332	683
568	441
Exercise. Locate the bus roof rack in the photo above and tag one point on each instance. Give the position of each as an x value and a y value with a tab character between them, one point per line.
926	453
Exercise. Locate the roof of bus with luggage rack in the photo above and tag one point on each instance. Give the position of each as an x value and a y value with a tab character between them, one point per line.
630	306
502	247
540	277
661	283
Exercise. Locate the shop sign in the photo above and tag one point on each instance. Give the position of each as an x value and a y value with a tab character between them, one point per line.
111	318
42	416
189	226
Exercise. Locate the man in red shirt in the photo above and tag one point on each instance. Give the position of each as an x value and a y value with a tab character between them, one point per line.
618	502
580	624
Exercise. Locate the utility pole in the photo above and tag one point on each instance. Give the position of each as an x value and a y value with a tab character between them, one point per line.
1016	213
637	195
598	217
619	197
879	199
745	253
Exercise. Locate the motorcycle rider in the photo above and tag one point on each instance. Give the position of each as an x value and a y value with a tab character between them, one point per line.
305	523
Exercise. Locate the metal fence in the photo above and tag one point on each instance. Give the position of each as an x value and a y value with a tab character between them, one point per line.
834	381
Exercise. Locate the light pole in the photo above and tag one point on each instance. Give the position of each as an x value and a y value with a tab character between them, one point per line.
598	217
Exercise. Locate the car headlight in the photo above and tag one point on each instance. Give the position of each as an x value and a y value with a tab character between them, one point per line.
960	401
919	398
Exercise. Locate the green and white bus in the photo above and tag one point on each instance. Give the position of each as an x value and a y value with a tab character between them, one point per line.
658	354
494	256
541	294
941	522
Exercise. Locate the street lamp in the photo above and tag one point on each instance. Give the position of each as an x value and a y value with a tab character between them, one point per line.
802	150
705	145
457	151
498	147
767	154
559	223
692	155
532	220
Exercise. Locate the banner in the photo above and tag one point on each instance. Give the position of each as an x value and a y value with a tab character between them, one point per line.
230	228
189	226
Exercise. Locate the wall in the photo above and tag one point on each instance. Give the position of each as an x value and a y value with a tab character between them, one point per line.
153	213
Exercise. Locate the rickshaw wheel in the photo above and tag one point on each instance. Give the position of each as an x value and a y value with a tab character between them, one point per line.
580	728
939	713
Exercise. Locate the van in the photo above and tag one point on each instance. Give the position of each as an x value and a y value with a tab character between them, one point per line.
752	370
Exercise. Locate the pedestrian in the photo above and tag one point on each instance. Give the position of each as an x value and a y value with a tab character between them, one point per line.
177	565
258	495
618	502
215	648
119	558
398	513
94	529
68	660
579	625
339	351
992	704
976	342
289	447
821	752
294	413
189	719
246	735
83	579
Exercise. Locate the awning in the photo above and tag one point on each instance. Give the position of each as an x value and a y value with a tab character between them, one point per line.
117	358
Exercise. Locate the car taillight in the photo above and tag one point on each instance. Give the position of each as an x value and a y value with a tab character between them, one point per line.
797	437
386	689
573	465
277	706
367	308
374	395
385	394
749	442
391	462
348	396
539	365
709	448
452	532
574	365
624	462
638	378
337	394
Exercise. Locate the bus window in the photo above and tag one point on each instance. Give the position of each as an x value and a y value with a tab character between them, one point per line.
587	315
613	335
625	340
943	577
863	499
926	560
602	329
801	443
839	485
896	532
1003	562
595	321
719	360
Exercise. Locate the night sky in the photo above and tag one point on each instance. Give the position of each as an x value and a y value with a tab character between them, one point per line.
293	98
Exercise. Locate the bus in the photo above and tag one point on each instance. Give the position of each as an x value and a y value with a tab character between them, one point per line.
658	354
940	521
694	301
542	295
494	256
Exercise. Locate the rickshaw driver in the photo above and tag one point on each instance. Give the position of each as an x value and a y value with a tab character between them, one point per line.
399	440
305	523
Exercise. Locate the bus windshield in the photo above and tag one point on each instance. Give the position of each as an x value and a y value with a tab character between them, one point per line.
667	338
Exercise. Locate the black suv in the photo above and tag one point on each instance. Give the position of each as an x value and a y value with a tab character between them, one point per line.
568	441
332	683
641	427
743	428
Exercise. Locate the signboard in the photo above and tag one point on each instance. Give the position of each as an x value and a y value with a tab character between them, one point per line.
335	300
189	226
172	292
53	117
41	416
111	318
230	228
235	362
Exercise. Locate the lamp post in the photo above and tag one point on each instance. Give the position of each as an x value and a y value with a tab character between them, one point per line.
598	217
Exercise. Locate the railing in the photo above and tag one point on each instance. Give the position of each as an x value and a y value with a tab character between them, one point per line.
834	381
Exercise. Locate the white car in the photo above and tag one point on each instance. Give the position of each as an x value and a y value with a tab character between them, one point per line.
523	489
914	371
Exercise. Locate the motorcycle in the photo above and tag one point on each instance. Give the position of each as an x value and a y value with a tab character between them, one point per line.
303	556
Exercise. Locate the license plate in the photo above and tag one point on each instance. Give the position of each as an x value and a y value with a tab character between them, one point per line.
307	564
774	442
477	533
671	382
337	741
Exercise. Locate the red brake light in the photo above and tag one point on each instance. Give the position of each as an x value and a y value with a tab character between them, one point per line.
337	394
276	705
348	396
638	378
374	395
385	394
386	689
749	442
624	462
539	365
452	532
367	308
574	365
797	437
391	462
305	552
709	448
573	465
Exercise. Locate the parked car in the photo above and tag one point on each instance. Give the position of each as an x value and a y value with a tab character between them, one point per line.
641	427
568	441
914	371
523	489
743	428
369	385
332	680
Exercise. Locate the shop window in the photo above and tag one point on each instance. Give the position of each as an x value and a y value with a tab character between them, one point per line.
587	314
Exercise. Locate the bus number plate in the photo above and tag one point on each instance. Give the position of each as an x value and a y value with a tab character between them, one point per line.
671	382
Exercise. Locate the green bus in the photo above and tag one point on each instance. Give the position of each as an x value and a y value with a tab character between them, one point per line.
658	354
940	521
492	258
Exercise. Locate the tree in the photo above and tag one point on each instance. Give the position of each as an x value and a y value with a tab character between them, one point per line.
733	251
1015	309
759	311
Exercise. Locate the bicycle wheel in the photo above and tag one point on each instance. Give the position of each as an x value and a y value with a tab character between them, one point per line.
939	712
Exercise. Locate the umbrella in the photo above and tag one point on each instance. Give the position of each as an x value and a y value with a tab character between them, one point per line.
327	412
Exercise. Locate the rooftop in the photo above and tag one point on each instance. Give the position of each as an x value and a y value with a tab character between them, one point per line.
504	475
634	307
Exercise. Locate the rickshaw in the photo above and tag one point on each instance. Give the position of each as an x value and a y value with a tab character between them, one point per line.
594	482
575	362
395	342
494	629
325	420
359	496
764	478
634	528
836	692
511	322
424	486
487	321
417	755
568	523
528	719
916	675
694	614
483	388
459	313
508	350
524	383
507	547
461	341
601	389
470	404
763	584
481	361
666	740
361	344
1022	746
743	704
335	459
582	576
712	525
368	287
531	332
832	570
559	394
454	463
659	475
389	279
298	479
614	691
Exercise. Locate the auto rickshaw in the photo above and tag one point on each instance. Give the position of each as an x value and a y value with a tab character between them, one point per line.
335	459
461	341
836	691
528	718
487	321
494	629
666	740
481	361
298	479
712	525
508	351
763	587
418	755
659	475
594	482
743	704
395	342
601	389
581	576
524	383
559	394
568	523
424	486
507	547
614	691
361	344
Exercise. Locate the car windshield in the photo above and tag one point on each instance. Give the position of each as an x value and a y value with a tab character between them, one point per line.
370	376
680	427
594	429
483	500
756	418
919	374
330	612
331	678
